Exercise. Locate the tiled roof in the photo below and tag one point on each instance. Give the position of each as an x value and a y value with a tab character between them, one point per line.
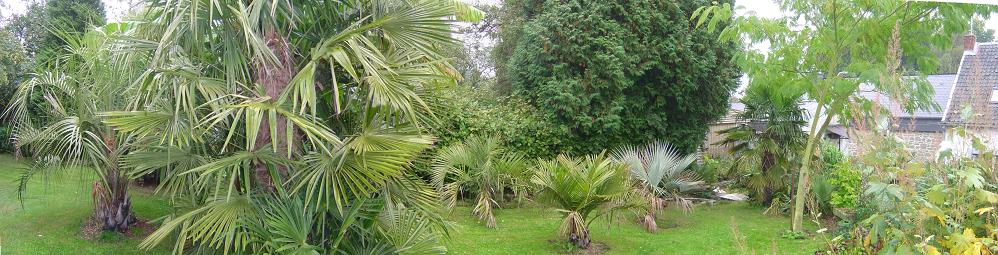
978	76
941	84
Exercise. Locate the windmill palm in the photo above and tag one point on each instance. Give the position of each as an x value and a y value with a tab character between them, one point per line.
766	147
319	102
583	190
661	176
479	166
73	133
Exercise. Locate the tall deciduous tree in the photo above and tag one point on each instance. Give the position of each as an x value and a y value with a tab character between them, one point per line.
828	48
617	72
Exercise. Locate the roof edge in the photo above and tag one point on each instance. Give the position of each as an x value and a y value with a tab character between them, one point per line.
949	99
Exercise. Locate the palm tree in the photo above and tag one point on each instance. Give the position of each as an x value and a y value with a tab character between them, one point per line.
583	190
766	147
661	175
319	103
479	166
74	134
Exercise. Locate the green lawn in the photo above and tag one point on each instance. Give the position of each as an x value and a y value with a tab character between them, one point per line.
708	230
54	210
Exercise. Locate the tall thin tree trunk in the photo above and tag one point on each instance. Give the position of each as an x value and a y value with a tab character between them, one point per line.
275	78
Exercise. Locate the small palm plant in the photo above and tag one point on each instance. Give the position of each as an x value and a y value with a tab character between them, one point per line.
583	190
479	166
660	174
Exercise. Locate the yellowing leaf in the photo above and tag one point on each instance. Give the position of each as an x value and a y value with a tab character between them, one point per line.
984	210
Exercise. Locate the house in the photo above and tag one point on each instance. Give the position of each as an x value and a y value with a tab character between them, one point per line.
973	103
967	99
712	146
921	131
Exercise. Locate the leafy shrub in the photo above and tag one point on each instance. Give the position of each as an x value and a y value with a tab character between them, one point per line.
830	155
708	169
632	80
466	112
911	208
845	182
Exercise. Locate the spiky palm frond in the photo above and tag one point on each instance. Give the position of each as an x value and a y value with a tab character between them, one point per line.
661	174
480	166
69	132
583	190
765	148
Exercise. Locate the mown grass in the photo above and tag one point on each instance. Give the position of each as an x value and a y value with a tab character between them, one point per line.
55	208
708	230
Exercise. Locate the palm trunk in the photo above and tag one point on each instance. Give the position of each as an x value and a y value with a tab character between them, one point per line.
112	206
580	238
655	204
275	78
649	221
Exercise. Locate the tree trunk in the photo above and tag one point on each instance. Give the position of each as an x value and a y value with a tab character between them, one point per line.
580	239
655	204
112	206
578	232
275	78
803	178
649	221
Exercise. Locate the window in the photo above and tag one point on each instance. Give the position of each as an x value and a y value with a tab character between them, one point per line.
994	97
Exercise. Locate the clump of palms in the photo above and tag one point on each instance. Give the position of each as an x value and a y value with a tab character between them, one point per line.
303	113
479	166
660	174
583	189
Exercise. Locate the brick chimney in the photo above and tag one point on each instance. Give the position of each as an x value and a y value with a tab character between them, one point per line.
969	42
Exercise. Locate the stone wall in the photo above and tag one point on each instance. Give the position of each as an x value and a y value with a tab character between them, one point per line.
923	145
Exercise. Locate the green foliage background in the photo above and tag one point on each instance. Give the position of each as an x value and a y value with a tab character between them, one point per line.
468	112
608	73
37	27
29	41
